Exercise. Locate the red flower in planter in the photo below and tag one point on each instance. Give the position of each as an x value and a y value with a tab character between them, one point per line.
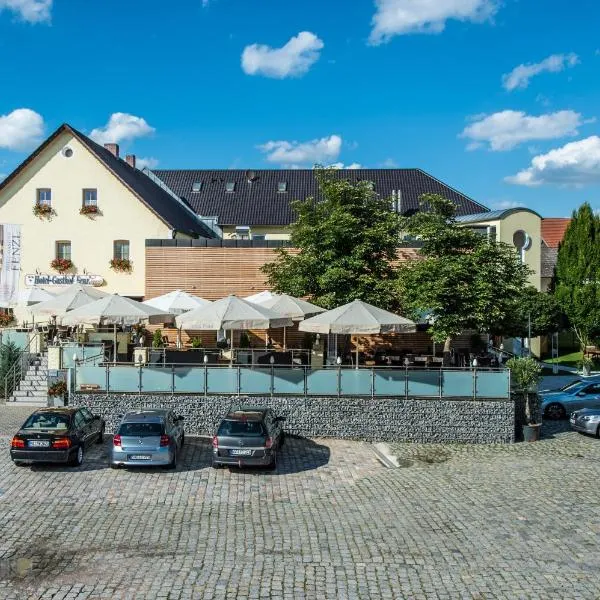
42	210
6	319
62	265
89	209
121	264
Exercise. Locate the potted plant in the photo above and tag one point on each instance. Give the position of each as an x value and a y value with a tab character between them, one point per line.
6	319
586	365
197	343
58	391
121	264
525	374
157	341
62	265
89	209
42	210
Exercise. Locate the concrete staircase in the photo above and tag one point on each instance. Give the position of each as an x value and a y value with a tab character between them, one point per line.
33	389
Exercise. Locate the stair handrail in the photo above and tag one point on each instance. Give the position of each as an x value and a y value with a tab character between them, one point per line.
14	375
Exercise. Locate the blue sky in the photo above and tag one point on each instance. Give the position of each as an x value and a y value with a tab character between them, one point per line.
498	98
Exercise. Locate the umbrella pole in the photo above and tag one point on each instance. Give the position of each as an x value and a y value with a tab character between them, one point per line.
284	338
231	354
115	342
357	352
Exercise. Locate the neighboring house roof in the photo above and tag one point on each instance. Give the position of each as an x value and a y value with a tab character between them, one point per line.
172	211
260	203
549	256
553	231
493	215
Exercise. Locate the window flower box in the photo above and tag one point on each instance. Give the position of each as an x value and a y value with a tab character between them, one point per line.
42	210
62	265
121	264
59	388
89	209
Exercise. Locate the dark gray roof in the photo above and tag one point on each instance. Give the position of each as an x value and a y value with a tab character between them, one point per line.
549	256
169	209
494	215
259	202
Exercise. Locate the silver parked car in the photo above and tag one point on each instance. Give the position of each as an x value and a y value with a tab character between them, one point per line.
586	420
151	437
579	394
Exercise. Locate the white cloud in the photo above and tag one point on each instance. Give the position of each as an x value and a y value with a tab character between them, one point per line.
509	128
292	60
520	76
121	127
389	163
341	165
575	163
399	17
320	151
31	11
149	162
3	176
21	129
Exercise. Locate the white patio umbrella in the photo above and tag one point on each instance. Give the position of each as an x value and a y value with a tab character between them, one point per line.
357	317
73	297
231	313
295	308
177	302
115	310
260	297
34	295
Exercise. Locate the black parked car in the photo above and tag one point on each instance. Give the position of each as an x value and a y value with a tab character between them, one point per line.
248	436
58	435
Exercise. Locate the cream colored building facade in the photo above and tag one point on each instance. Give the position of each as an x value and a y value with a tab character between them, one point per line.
60	172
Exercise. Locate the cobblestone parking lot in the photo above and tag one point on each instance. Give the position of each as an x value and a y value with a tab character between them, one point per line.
478	522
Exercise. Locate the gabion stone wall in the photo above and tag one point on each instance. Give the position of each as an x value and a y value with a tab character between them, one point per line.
368	419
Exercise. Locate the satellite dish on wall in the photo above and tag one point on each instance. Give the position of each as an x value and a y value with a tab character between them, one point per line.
67	152
521	240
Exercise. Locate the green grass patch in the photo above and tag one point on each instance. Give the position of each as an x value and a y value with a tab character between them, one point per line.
567	360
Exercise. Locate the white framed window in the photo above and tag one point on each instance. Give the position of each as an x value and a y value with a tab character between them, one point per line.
230	186
121	250
282	187
196	187
242	232
44	196
90	197
63	250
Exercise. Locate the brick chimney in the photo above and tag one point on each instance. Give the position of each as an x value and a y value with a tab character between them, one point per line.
113	149
130	160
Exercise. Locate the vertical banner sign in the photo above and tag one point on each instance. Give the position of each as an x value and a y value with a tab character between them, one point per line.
11	265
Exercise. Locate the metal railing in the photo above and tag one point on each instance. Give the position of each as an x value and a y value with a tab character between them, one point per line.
296	381
15	371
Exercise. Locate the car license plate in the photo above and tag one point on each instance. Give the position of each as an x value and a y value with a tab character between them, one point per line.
240	452
139	457
38	443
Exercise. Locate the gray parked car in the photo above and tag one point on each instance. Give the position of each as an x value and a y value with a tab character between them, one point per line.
586	420
248	436
150	437
580	394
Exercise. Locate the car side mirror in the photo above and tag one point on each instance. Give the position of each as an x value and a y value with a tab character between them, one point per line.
581	394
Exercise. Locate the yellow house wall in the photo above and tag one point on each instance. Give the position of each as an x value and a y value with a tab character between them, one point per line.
123	216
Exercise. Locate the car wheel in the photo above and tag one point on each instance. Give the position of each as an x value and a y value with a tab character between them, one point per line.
598	432
216	465
555	411
77	460
182	439
281	440
273	463
19	463
113	465
100	439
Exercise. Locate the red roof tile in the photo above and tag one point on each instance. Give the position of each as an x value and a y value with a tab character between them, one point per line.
553	231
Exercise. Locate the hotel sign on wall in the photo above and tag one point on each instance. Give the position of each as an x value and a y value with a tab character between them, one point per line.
63	279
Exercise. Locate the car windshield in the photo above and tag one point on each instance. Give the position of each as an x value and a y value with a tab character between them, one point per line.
141	429
569	386
241	429
47	421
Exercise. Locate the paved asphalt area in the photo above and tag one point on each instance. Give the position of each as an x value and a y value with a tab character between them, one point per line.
453	522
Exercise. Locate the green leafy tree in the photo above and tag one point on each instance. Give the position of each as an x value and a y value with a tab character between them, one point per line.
9	355
463	280
577	275
536	313
347	243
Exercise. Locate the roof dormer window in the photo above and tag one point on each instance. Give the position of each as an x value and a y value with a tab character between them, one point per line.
230	186
282	186
196	187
